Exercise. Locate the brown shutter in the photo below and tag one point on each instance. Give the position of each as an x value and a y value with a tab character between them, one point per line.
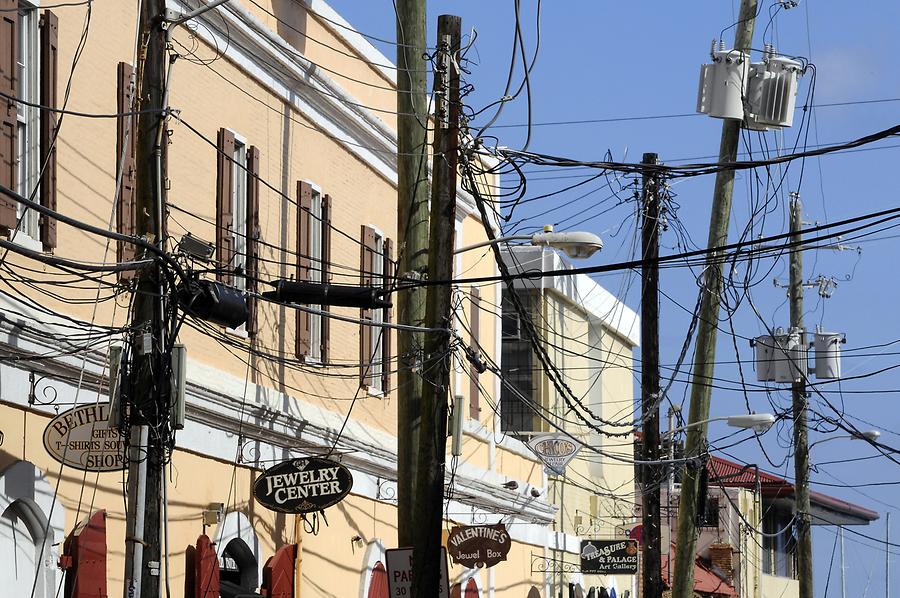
304	207
126	220
253	234
326	274
385	282
9	46
366	265
224	207
474	326
49	44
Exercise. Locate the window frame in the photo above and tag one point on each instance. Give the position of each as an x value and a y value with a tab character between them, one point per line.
239	224
315	272
374	376
28	71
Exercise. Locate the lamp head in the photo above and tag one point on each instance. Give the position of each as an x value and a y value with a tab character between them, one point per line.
576	245
758	422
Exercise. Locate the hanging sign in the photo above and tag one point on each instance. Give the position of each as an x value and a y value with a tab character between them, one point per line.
303	485
555	450
609	557
478	545
81	438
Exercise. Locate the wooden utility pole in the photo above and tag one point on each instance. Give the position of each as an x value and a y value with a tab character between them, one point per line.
148	406
708	319
800	404
412	232
652	475
432	454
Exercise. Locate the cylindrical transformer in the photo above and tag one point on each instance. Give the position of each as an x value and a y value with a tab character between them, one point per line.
764	347
827	347
790	357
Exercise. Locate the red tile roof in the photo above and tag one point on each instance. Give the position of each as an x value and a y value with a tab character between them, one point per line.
732	475
705	581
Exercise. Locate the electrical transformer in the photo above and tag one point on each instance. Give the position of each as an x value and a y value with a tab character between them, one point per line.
762	95
772	91
723	84
827	349
765	367
790	357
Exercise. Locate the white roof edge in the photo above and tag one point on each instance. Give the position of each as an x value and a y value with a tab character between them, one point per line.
579	289
349	34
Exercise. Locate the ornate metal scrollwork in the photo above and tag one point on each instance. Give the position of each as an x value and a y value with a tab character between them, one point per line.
540	564
249	451
48	393
387	490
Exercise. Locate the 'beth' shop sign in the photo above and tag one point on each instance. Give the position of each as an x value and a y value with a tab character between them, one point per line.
478	545
609	557
81	438
303	485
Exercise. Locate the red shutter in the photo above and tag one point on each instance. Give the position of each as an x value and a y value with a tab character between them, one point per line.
49	44
253	235
278	574
224	206
378	582
387	267
84	558
326	274
206	569
304	207
474	326
9	46
366	265
126	220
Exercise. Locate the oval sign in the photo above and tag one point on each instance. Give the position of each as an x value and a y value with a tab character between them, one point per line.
303	485
479	545
81	438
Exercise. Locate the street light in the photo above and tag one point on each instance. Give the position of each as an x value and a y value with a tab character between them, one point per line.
577	245
758	422
870	435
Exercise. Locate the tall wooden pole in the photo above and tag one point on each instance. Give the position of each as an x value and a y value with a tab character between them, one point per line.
652	475
148	406
429	491
705	352
800	405
412	233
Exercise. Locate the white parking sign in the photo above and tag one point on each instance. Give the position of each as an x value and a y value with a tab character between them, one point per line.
400	576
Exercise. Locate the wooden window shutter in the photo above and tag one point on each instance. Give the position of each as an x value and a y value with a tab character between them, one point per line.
224	207
474	326
385	282
253	235
126	219
324	351
304	208
366	265
9	85
49	43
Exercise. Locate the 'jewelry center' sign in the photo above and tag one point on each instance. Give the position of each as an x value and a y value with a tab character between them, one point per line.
303	485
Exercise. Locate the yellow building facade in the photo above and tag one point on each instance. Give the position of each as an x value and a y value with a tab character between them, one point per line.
286	101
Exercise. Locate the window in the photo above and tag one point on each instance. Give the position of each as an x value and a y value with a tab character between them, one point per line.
375	340
237	217
315	272
239	210
779	545
313	261
28	72
710	515
518	393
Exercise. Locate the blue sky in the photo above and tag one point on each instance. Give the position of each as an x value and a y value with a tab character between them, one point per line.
601	60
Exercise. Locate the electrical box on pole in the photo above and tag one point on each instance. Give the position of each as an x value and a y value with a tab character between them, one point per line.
762	95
